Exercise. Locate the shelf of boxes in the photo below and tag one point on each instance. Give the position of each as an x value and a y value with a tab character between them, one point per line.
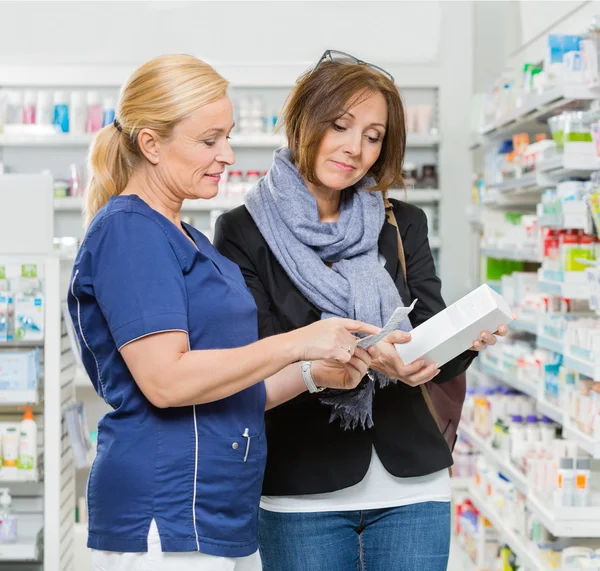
566	521
502	376
584	441
562	522
569	165
538	105
259	140
505	466
525	325
528	553
571	288
27	547
582	366
550	410
551	344
415	195
512	254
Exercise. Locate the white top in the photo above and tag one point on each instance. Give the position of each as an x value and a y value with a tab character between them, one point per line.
379	489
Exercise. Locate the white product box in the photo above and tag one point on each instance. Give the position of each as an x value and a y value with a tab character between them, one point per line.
452	331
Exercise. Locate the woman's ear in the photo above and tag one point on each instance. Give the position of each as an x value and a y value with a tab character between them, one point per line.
149	145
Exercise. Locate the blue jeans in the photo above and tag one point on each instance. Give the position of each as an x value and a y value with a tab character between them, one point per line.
408	538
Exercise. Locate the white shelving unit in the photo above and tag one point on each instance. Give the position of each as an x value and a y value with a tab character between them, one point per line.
527	552
45	508
527	388
267	141
535	106
511	254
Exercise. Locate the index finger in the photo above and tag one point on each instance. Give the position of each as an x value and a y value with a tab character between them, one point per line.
359	327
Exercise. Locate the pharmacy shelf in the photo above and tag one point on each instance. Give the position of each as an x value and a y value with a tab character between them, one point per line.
524	325
584	441
520	184
26	547
459	484
416	140
527	552
582	366
512	254
551	344
20	344
537	106
574	165
258	140
570	289
271	141
554	221
416	196
495	199
58	140
568	521
19	397
505	466
550	410
557	221
504	377
73	204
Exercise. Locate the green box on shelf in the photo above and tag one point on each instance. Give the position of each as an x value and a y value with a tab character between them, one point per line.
495	268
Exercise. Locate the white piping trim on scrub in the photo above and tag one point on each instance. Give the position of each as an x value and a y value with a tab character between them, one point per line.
195	465
153	333
81	331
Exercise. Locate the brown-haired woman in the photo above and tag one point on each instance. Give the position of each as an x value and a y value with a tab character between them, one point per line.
357	480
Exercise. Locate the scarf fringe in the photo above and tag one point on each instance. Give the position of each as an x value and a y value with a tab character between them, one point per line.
354	408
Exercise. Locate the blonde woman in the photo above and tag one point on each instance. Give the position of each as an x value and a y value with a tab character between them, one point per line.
168	333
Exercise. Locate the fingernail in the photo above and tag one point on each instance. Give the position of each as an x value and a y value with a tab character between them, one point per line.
437	373
437	366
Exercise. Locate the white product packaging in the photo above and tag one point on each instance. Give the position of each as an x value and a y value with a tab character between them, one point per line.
29	317
453	330
581	494
19	370
563	494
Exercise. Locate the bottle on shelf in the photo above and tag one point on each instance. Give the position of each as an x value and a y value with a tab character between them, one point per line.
29	108
8	521
78	113
61	111
14	108
94	112
75	186
108	111
44	112
27	443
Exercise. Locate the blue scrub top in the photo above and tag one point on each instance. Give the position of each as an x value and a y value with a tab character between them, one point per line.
189	468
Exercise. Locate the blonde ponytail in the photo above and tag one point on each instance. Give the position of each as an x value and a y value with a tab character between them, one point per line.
109	170
158	95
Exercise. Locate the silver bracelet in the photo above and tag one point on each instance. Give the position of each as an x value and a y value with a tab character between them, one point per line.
308	380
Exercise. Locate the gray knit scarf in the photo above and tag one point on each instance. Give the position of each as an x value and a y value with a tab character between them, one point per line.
356	286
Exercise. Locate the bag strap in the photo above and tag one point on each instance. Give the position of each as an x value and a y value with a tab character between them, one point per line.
391	218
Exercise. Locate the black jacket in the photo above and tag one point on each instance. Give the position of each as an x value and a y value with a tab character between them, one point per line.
306	453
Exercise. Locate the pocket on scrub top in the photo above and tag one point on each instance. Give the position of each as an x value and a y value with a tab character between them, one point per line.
229	485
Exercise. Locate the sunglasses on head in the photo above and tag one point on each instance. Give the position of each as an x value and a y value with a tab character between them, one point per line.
335	56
